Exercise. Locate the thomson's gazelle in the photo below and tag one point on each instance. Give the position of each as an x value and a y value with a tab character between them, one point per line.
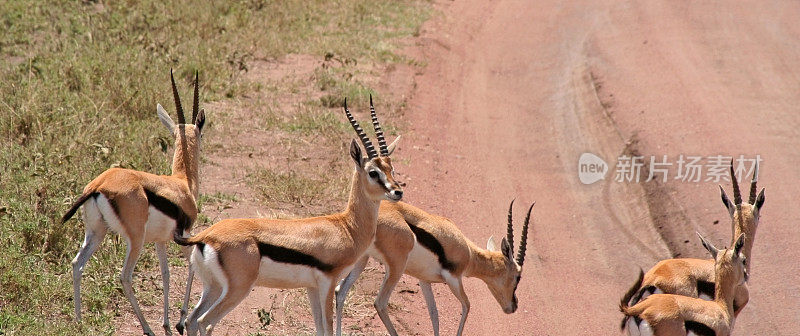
432	249
143	208
675	315
234	255
695	277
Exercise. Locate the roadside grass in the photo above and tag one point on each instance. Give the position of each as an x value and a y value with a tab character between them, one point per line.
81	80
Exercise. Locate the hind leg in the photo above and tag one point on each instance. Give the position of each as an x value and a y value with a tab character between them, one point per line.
234	290
161	251
187	253
391	277
430	302
131	257
95	232
211	293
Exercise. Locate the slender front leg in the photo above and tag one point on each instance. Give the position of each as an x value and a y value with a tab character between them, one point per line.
458	290
316	309
187	253
344	287
131	256
430	301
161	251
327	308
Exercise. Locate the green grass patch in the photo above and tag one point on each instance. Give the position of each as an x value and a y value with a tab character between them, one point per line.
80	83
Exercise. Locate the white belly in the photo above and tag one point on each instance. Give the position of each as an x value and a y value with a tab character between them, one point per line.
284	275
423	264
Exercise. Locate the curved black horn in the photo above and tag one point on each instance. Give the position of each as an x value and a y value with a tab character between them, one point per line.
752	199
378	130
737	196
196	103
177	97
510	228
523	242
360	131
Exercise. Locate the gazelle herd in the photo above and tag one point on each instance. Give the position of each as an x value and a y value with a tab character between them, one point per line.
326	254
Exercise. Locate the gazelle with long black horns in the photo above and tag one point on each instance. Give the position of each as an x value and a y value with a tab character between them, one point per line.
677	315
143	207
432	249
695	277
234	255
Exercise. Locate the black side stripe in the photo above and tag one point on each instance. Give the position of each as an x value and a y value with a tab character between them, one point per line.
429	242
705	287
170	209
699	329
289	256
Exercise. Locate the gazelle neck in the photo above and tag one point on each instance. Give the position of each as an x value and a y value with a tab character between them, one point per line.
484	264
724	289
361	208
185	162
742	226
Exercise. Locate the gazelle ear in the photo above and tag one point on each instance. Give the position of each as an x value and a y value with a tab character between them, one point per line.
355	153
200	120
737	247
393	145
505	247
710	247
490	244
760	199
165	119
726	201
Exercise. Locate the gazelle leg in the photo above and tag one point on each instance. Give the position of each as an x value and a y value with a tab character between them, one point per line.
92	240
187	253
161	251
327	293
344	287
430	301
390	279
458	290
211	293
131	256
316	309
232	294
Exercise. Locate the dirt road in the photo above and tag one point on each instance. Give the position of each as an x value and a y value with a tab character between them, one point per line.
515	91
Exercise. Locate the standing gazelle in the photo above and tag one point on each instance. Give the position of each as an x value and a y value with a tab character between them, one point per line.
432	249
695	277
234	255
675	315
143	207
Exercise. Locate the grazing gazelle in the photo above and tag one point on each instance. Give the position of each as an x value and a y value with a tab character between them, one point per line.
234	255
432	249
673	315
695	277
143	207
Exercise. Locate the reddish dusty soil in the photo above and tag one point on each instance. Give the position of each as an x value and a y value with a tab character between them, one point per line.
515	91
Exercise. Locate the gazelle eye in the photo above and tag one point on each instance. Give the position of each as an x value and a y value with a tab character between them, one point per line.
373	174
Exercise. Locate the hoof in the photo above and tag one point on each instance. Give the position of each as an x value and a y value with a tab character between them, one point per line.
179	327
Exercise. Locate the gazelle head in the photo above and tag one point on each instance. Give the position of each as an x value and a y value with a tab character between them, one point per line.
745	215
730	264
376	169
186	136
503	285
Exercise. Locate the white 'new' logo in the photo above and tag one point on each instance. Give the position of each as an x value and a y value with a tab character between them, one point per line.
591	168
